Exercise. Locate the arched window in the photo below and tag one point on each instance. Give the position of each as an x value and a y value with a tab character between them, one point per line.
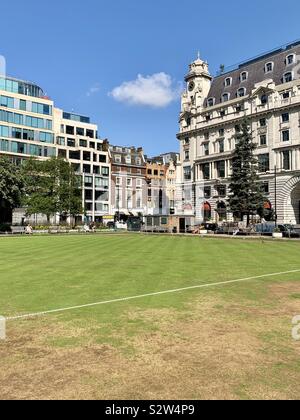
290	59
228	81
287	77
210	102
244	76
241	92
225	97
269	67
206	211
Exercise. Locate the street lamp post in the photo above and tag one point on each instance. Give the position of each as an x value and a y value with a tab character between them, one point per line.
276	224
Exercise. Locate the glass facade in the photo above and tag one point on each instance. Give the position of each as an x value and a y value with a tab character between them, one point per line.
21	87
75	117
22	105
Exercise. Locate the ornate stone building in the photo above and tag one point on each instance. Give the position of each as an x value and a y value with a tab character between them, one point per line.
267	90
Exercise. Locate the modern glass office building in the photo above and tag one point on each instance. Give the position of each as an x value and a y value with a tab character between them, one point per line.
30	126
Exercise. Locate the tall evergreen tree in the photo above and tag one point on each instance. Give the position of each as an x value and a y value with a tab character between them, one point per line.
11	188
246	196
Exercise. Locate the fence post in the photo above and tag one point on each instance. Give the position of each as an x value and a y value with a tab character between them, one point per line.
2	328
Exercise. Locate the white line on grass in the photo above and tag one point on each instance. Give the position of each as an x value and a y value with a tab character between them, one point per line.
165	292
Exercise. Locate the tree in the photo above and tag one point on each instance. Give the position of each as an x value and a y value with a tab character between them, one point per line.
246	196
52	188
11	188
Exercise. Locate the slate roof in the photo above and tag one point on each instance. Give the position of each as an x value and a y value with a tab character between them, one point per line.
256	72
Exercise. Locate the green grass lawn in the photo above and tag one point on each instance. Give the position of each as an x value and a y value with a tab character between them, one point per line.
230	341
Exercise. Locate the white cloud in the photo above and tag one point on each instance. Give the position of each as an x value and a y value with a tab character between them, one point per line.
158	91
92	90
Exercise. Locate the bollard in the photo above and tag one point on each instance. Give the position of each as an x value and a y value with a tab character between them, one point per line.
2	328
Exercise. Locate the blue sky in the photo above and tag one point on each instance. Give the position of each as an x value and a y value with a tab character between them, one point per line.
87	55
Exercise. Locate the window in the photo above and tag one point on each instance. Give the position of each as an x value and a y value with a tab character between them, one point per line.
269	67
118	181
61	141
187	155
241	92
210	101
286	160
286	95
87	169
285	117
263	140
186	141
290	59
71	142
207	192
102	158
221	169
206	136
264	163
265	187
87	156
90	133
79	131
188	121
263	122
206	149
225	97
129	182
221	132
118	159
74	155
187	173
228	81
105	171
264	99
82	143
237	128
22	105
155	172
149	171
221	146
206	171
221	190
287	77
244	76
69	130
128	159
286	135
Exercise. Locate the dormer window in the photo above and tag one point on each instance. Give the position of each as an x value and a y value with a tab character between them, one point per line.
225	97
290	59
228	81
210	101
241	92
287	77
269	67
244	76
264	99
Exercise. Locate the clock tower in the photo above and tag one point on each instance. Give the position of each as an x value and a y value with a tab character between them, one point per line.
198	82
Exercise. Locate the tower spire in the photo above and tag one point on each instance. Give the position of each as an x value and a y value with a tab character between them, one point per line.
198	55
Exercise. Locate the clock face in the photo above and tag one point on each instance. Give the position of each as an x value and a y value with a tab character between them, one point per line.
191	86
